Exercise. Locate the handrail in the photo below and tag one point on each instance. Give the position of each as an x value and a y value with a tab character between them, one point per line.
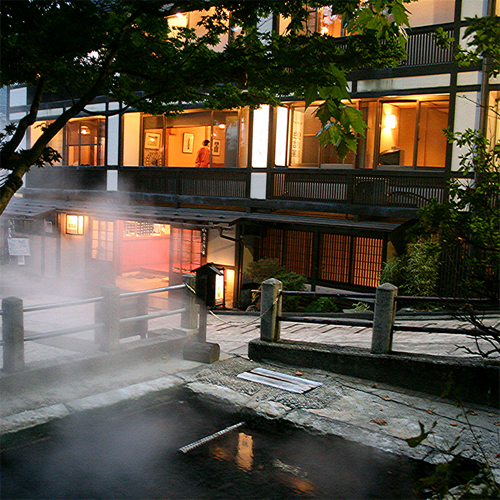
153	290
55	305
131	319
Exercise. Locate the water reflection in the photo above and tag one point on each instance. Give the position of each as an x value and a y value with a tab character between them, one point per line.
244	456
239	449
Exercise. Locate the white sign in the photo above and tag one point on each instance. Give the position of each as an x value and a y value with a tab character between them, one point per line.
19	246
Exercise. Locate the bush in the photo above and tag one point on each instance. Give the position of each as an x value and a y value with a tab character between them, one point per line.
322	305
417	271
263	269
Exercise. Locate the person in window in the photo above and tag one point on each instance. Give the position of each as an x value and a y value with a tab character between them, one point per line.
203	156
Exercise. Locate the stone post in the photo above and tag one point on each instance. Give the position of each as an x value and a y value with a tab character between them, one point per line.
13	334
383	318
189	318
142	310
111	317
270	309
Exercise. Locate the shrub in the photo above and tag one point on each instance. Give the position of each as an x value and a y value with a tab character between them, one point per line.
323	305
263	269
417	271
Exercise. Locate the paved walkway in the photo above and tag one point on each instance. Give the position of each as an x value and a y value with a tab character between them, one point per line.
375	414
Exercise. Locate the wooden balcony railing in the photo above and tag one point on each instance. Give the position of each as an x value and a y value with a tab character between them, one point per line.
422	49
359	187
382	188
67	178
211	182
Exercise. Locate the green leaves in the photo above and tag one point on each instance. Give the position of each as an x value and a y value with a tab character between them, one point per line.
482	38
415	441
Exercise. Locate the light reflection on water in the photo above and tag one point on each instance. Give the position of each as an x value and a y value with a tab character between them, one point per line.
239	449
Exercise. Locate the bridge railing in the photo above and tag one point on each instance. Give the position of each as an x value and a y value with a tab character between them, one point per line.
117	316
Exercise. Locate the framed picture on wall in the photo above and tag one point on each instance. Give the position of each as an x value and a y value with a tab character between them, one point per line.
187	143
152	140
216	147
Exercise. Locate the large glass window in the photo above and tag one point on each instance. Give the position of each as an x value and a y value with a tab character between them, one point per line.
80	142
194	138
411	133
401	133
85	140
305	149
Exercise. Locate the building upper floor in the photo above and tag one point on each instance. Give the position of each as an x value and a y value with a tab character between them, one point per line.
272	157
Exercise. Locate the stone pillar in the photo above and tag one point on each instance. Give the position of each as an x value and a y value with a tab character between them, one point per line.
13	334
383	318
189	319
142	308
111	317
270	309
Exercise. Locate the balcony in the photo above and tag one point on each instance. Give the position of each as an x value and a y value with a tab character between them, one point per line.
364	192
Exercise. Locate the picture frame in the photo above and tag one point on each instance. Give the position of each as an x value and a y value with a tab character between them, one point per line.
152	140
187	143
216	145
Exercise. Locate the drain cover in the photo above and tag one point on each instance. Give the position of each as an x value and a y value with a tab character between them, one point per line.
279	380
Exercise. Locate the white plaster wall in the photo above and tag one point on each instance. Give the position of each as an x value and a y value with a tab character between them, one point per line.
50	113
258	185
471	8
265	25
410	82
466	116
113	143
220	250
469	78
426	12
95	108
18	97
112	180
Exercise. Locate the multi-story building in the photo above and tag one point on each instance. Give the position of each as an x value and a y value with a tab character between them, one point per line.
129	200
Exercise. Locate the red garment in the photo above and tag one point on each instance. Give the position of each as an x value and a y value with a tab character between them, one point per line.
203	157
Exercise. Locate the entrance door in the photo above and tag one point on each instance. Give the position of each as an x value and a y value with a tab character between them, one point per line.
100	265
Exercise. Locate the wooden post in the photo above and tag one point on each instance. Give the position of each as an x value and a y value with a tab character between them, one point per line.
13	334
270	309
198	349
383	318
189	318
142	309
111	317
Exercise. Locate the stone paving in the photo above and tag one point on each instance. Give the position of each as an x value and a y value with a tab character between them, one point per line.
375	414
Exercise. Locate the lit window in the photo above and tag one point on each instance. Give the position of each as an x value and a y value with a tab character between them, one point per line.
102	240
85	140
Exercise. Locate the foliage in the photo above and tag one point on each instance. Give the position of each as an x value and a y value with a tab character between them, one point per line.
481	36
322	305
470	217
417	271
361	307
126	50
456	478
263	269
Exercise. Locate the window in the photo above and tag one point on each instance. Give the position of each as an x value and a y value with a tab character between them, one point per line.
102	240
176	141
325	21
411	133
401	133
85	140
186	250
305	149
